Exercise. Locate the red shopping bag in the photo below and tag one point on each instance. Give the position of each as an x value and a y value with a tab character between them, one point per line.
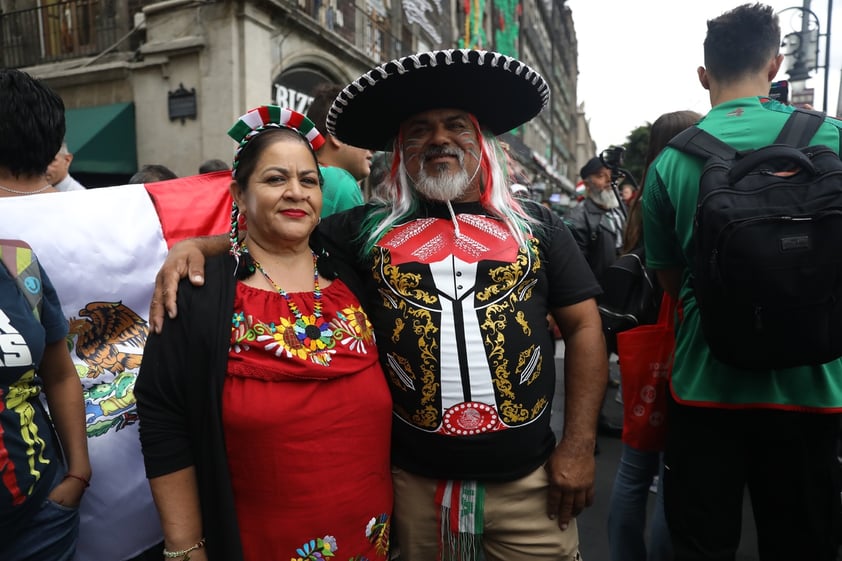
646	355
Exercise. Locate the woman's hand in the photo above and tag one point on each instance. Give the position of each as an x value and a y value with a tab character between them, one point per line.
68	493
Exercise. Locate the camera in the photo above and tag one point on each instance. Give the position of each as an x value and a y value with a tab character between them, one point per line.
780	91
612	157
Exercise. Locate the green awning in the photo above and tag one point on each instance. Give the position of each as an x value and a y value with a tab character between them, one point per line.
102	139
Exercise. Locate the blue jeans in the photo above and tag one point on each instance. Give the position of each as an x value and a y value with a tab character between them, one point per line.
627	510
50	534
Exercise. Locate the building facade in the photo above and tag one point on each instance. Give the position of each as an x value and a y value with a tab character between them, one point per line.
160	83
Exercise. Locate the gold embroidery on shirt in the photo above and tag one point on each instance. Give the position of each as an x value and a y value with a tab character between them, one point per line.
521	321
396	332
524	363
513	413
513	278
505	278
427	417
405	284
421	325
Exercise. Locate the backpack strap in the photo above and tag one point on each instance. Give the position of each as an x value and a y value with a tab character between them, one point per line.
697	142
21	262
800	128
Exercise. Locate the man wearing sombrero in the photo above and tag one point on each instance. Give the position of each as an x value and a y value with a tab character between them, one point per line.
457	279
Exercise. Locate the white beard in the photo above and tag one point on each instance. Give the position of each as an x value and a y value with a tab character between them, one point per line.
606	199
444	187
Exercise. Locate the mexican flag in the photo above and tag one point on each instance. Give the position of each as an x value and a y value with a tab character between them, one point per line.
102	249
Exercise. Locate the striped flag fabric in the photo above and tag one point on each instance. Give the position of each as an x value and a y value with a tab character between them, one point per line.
102	249
581	190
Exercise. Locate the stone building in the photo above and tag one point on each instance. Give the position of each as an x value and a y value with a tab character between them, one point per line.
159	83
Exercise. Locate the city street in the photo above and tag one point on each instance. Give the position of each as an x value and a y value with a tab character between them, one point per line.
592	523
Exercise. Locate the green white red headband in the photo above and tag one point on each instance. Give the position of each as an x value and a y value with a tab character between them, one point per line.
271	116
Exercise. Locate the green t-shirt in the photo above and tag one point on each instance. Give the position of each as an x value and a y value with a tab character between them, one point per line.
669	205
340	191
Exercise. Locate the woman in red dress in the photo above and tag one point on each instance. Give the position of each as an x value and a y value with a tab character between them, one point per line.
264	414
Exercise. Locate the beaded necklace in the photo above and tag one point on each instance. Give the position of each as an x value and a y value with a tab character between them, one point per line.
17	192
311	330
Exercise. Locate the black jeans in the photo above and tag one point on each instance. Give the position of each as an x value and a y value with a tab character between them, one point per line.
786	459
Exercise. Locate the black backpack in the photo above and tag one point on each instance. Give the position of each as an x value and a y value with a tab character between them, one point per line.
767	270
631	295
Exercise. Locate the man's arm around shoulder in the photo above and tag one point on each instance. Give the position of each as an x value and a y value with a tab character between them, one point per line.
185	259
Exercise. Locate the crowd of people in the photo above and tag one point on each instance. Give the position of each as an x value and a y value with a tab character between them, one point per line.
336	377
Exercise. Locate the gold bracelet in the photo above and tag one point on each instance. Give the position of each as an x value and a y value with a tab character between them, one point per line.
184	553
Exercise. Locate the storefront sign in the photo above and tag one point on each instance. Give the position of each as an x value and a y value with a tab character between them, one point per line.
293	88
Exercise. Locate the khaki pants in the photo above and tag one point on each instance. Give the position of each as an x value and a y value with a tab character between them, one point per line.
516	524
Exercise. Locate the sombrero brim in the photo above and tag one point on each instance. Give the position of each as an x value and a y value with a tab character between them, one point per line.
500	91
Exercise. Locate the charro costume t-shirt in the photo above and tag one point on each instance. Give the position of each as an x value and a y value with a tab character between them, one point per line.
459	312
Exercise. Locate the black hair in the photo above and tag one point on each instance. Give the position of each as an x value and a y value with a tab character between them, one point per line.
741	41
254	148
660	133
31	123
152	172
214	164
323	97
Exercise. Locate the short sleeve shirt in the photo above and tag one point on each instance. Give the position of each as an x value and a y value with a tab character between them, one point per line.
669	204
340	190
28	455
459	311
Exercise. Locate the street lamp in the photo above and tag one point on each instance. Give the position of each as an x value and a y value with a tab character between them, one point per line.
802	44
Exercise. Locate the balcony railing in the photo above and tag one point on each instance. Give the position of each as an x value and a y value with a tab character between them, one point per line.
56	31
366	25
77	28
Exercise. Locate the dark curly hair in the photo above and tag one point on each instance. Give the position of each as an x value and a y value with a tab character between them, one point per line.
31	123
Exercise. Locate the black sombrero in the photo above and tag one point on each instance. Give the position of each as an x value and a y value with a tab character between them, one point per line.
500	91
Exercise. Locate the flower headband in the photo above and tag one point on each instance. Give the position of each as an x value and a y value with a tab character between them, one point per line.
271	116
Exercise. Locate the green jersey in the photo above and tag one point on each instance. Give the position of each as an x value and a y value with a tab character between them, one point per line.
669	205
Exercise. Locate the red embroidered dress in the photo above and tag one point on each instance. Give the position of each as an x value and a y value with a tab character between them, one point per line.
307	425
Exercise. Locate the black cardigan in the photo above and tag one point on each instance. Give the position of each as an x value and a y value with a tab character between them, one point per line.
179	393
179	401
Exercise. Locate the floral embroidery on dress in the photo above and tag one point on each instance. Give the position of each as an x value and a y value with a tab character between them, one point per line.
319	549
352	329
302	338
244	330
316	550
377	532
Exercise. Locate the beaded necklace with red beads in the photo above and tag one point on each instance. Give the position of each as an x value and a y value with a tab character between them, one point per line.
311	330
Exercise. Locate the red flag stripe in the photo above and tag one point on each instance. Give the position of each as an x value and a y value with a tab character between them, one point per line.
198	205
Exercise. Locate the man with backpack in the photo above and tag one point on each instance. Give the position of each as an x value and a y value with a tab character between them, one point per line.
743	414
